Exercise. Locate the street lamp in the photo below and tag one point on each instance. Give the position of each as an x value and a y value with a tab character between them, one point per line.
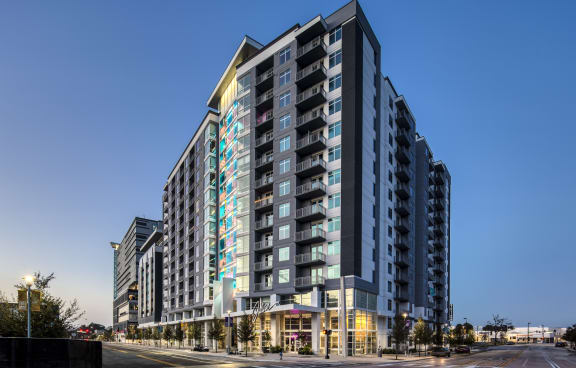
528	340
229	348
29	280
404	315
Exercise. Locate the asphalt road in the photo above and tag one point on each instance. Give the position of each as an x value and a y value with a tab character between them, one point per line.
517	356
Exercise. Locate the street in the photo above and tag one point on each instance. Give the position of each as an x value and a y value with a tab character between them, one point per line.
515	356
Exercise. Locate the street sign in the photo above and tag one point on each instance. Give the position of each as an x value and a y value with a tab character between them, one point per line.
451	312
22	300
35	300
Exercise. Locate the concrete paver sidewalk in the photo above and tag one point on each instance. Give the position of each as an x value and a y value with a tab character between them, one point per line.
269	357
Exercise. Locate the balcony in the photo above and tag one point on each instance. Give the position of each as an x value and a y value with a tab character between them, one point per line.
401	278
404	120
402	173
263	265
438	192
311	120
264	162
402	155
402	137
402	208
310	236
401	261
311	97
311	143
264	225
264	120
311	166
265	100
439	218
438	243
310	190
438	294
438	280
438	230
439	257
263	203
311	75
438	204
309	281
439	269
264	184
265	244
311	51
311	213
265	81
438	178
401	296
264	142
262	286
402	190
402	225
401	243
310	258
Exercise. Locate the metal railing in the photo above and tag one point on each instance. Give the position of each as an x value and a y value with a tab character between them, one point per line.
309	139
308	187
316	42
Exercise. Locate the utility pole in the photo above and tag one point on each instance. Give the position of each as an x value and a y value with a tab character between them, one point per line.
528	333
29	280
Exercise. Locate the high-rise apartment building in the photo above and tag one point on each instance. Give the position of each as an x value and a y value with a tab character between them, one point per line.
150	280
307	188
127	254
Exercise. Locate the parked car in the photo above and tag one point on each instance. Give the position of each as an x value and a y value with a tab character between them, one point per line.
560	344
200	348
440	352
461	349
510	343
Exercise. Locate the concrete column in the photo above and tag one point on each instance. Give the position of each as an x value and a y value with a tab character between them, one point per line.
381	328
274	329
316	332
206	328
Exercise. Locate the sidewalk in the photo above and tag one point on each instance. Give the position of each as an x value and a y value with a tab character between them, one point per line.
270	357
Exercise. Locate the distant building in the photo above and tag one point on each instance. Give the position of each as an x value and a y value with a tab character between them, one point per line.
126	256
523	335
150	283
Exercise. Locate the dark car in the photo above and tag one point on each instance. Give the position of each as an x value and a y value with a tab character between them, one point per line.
560	344
200	348
440	352
461	349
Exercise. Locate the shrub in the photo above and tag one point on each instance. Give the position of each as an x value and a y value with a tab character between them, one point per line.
276	349
388	351
305	350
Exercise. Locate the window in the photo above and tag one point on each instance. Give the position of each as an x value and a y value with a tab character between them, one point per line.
283	254
390	250
390	102
334	224
284	55
285	121
335	35
283	276
334	106
390	268
284	187
390	319
244	103
334	129
335	82
335	58
334	200
334	153
285	143
243	84
334	271
283	232
284	77
389	287
285	99
334	177
284	166
334	248
284	210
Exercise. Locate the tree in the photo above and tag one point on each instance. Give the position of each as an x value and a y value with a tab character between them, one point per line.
427	337
130	334
456	336
146	334
498	326
108	334
195	332
56	318
266	338
168	334
179	335
419	330
246	331
399	332
216	332
156	336
438	336
570	335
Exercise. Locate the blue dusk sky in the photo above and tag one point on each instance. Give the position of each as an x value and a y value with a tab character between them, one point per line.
98	100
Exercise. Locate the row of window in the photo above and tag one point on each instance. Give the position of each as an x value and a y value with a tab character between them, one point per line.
333	272
333	225
334	36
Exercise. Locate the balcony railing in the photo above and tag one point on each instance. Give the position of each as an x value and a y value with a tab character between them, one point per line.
268	137
264	160
267	74
262	224
264	265
310	163
310	188
263	202
311	139
264	181
309	281
264	96
314	210
310	235
263	244
310	258
316	42
262	286
312	119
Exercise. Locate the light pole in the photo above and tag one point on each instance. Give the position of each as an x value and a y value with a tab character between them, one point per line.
229	348
528	341
29	280
404	315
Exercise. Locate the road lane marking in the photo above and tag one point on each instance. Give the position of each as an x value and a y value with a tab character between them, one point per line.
525	361
158	361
